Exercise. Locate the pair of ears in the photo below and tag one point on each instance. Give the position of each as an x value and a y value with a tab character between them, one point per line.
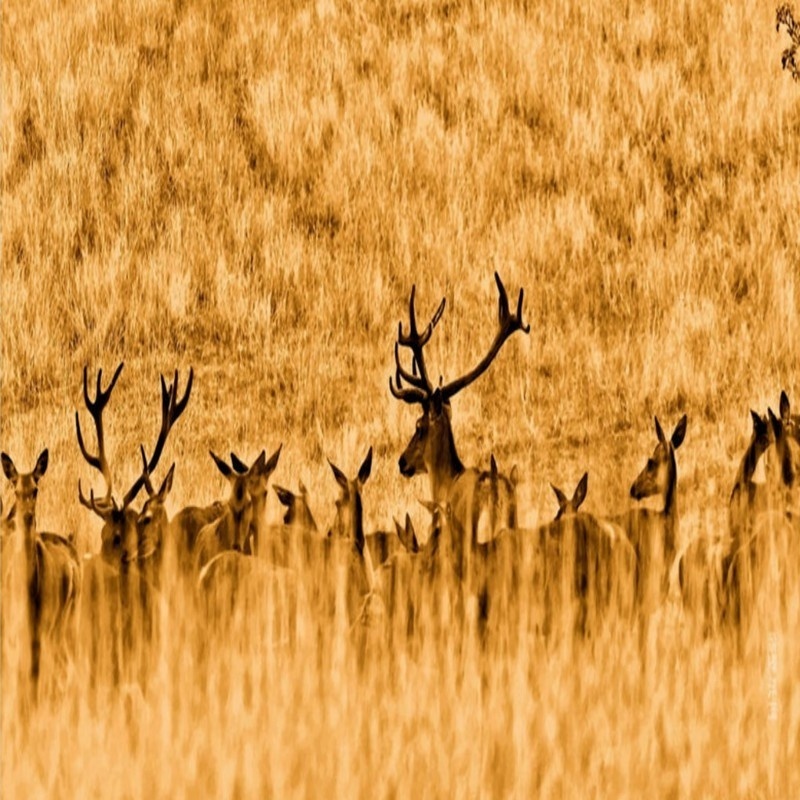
565	505
363	473
10	471
513	476
260	467
676	440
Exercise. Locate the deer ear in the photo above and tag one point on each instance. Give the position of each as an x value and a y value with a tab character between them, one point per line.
660	432
410	529
366	468
9	469
679	433
341	478
269	467
166	486
786	409
237	463
777	425
759	427
560	496
41	465
284	495
403	533
580	491
221	465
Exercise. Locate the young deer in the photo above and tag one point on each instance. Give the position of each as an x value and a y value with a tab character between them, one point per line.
258	484
584	566
763	515
787	455
298	512
653	533
432	448
119	592
297	542
495	502
750	497
49	569
364	605
231	530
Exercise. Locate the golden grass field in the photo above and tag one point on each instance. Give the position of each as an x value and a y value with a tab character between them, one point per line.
252	189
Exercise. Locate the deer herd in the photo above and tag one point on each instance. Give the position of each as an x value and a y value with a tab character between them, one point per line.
475	563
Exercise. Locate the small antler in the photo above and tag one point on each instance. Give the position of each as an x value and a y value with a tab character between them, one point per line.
100	507
508	324
95	408
419	389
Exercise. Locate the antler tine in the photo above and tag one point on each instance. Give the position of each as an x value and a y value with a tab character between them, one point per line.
420	388
505	318
508	324
409	395
419	391
146	473
171	410
95	408
92	504
142	481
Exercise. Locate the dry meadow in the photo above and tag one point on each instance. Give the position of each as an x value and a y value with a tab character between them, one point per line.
252	189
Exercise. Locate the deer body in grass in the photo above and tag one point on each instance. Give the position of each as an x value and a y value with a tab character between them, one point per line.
298	538
653	532
41	572
121	583
764	552
232	529
432	448
347	557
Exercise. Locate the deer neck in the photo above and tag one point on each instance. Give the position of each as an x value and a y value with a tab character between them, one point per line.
445	467
748	466
671	504
257	521
29	537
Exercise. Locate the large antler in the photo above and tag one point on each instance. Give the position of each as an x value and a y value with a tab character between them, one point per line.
171	409
99	461
419	389
509	323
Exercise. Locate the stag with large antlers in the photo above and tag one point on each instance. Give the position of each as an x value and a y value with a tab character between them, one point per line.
432	448
120	584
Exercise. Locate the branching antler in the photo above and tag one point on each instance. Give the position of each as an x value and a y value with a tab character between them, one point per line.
508	324
419	388
99	461
171	409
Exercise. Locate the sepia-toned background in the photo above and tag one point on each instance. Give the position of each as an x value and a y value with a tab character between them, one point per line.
252	190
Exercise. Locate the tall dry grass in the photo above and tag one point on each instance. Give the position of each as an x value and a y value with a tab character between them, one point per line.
252	189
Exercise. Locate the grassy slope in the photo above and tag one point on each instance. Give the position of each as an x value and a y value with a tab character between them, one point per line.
254	192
